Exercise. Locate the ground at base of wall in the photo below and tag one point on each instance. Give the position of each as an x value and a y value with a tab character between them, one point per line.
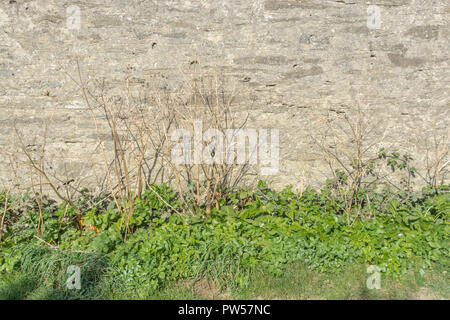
296	283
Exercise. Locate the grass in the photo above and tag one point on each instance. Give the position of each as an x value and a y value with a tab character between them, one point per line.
300	283
297	282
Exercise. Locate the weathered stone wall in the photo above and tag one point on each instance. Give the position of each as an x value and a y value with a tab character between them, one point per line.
292	57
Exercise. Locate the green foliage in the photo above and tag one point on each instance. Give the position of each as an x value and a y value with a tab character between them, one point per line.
253	229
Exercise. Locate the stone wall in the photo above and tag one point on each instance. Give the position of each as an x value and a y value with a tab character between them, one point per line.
291	58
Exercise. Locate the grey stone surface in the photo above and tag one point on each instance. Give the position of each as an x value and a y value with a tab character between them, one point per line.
292	57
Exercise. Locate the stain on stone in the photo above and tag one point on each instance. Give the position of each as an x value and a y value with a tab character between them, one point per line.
107	21
314	40
176	35
345	2
271	60
312	60
399	48
51	19
290	4
267	60
400	60
392	3
301	73
294	19
102	137
357	30
423	32
307	39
